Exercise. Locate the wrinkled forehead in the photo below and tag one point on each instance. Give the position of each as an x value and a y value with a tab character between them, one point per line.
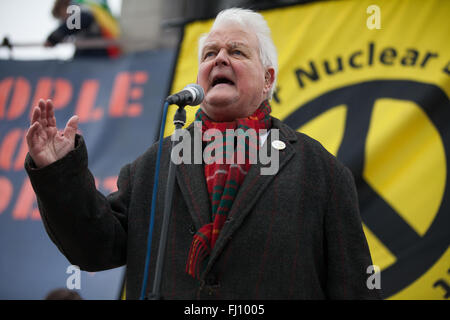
231	34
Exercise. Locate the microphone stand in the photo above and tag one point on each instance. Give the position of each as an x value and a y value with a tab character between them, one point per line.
179	121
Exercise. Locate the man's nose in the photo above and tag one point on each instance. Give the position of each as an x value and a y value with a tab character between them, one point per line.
222	58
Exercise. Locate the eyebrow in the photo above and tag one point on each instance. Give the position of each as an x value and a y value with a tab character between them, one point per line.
236	44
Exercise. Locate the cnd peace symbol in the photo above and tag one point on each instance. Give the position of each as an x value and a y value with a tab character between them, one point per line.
415	254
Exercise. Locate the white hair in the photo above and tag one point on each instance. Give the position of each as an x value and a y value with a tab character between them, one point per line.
255	22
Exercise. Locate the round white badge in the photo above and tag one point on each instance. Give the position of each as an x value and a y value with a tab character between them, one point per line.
279	145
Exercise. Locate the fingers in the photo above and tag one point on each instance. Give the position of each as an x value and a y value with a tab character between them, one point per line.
47	114
32	129
36	115
35	127
51	120
44	115
32	134
43	112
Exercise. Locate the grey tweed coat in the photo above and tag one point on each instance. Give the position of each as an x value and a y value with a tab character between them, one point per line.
293	235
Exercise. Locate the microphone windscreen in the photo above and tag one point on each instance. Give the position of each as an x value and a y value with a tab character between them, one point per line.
200	94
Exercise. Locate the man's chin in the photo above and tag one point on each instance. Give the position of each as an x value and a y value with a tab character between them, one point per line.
220	108
220	100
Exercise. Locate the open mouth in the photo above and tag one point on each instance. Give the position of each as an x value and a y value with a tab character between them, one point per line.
221	80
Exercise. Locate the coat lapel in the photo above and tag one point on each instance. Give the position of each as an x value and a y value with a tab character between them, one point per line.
192	182
251	189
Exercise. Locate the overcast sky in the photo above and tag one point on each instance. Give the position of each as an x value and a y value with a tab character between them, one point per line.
31	21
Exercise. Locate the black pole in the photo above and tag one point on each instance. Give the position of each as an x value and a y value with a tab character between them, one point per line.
179	121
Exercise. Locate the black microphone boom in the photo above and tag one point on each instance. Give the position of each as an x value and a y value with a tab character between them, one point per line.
191	95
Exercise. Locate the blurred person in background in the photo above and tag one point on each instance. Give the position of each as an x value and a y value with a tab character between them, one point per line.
63	294
95	22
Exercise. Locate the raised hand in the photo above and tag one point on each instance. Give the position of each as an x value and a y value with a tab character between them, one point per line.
45	143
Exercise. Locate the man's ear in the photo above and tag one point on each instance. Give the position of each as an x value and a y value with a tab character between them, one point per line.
269	78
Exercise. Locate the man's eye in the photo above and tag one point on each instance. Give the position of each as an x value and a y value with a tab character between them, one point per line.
237	52
208	54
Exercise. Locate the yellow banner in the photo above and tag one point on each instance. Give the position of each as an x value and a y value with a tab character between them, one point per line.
370	80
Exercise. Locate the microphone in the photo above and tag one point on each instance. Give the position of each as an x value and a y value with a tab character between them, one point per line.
191	95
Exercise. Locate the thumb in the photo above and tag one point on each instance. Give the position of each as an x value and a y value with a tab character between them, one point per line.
71	128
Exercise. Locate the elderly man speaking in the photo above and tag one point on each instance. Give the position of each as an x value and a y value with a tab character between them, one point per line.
234	233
